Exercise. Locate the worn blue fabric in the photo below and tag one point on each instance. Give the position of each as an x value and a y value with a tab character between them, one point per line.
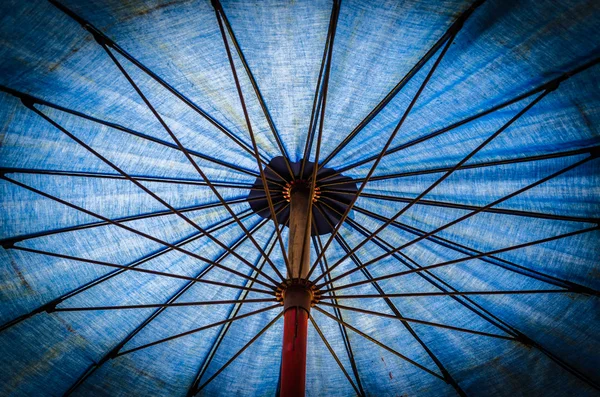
504	50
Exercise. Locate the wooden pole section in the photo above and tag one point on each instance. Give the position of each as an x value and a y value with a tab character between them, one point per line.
297	295
300	223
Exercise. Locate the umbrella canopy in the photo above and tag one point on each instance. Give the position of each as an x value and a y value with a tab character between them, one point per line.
148	151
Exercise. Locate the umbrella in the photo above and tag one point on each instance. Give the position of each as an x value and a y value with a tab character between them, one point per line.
320	197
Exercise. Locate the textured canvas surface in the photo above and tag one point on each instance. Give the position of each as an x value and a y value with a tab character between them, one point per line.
504	50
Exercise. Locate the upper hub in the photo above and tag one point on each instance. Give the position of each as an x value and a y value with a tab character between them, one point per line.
300	184
330	198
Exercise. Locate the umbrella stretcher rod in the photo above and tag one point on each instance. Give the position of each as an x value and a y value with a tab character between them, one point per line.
297	294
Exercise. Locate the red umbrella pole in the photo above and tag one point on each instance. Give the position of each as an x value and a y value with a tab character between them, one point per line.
297	295
293	356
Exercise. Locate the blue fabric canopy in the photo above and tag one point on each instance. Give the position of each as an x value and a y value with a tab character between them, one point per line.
471	131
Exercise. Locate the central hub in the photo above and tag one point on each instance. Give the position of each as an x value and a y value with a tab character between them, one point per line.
297	293
300	185
331	197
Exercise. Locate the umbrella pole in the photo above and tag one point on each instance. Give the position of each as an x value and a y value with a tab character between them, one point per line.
297	294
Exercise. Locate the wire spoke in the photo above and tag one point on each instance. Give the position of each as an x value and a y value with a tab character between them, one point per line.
458	293
439	180
386	146
158	305
105	43
478	309
313	178
335	357
389	349
485	314
9	242
225	328
537	90
152	194
261	100
239	352
27	97
430	277
483	164
416	321
460	219
218	12
326	283
452	262
100	36
447	174
189	158
463	249
318	97
48	307
494	260
141	178
318	245
130	229
200	172
195	330
448	35
444	204
346	247
564	365
135	269
113	352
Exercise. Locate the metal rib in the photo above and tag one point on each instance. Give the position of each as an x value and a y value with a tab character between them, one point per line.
386	146
159	305
261	100
317	97
195	330
28	97
49	306
313	178
192	162
448	35
458	293
344	333
469	119
443	177
115	350
223	332
335	357
494	260
417	321
483	164
253	139
236	355
140	270
145	235
460	219
8	242
514	247
141	178
431	278
389	349
99	35
445	204
449	378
